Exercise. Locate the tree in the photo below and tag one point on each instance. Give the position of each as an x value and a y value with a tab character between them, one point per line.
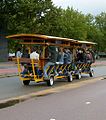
41	16
100	21
73	24
28	16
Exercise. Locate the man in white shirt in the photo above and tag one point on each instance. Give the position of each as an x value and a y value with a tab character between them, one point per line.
18	53
34	55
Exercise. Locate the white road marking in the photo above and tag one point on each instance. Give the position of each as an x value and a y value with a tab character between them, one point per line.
52	119
88	103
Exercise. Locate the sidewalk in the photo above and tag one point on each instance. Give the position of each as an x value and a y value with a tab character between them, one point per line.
10	68
100	63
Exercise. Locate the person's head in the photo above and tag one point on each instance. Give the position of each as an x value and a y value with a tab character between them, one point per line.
80	51
60	49
19	49
65	50
25	66
88	52
27	51
34	49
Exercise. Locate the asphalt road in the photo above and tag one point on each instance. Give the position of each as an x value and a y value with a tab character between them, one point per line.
87	102
12	86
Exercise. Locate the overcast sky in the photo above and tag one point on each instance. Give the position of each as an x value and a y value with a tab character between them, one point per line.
86	6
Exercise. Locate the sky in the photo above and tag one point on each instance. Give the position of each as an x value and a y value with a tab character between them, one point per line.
85	6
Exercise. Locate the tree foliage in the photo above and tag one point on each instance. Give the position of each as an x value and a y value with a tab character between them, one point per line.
41	16
73	24
100	21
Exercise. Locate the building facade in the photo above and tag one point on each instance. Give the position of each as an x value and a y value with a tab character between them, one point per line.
3	48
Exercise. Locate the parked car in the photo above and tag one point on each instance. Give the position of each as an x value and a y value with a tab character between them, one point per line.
102	54
10	56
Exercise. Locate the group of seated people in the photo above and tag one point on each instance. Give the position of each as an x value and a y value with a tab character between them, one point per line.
25	54
56	56
84	56
64	56
27	68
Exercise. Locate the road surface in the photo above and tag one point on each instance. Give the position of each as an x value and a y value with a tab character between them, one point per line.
12	86
87	102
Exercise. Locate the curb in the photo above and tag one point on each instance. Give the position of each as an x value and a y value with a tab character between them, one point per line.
15	100
95	65
8	75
